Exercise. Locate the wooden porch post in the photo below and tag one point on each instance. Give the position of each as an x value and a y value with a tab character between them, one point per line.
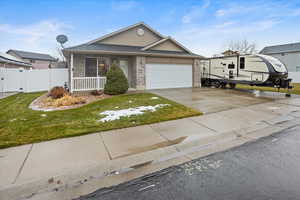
71	72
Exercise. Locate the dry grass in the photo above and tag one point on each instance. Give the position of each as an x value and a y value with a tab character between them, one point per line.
66	100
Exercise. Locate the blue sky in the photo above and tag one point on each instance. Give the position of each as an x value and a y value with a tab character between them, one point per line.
204	26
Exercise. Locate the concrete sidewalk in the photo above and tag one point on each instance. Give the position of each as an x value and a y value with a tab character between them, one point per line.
39	168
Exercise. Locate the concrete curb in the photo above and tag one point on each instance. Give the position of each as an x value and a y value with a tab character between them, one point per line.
73	184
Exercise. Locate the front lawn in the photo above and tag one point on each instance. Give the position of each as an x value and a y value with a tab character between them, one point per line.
21	125
295	90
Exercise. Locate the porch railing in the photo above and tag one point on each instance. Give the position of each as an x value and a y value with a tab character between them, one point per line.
88	83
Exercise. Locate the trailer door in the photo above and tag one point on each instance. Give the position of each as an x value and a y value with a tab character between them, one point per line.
230	70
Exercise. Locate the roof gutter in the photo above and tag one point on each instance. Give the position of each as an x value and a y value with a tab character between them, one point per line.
131	53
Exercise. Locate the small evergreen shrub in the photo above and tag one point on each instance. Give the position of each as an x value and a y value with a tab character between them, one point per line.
116	81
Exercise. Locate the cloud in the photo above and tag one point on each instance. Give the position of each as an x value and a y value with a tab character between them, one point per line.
124	5
258	8
208	40
234	9
195	12
39	36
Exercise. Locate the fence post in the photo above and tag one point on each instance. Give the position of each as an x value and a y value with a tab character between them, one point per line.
71	72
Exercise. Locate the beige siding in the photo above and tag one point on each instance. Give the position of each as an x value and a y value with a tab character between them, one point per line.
39	64
131	38
169	60
167	46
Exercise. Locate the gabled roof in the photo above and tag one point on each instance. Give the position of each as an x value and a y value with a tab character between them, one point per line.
164	40
97	47
32	55
6	58
285	48
125	29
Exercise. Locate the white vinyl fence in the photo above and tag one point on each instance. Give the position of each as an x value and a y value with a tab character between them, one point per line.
295	76
20	80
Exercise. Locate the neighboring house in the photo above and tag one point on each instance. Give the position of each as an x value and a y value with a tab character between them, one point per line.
148	59
289	54
38	60
9	61
230	53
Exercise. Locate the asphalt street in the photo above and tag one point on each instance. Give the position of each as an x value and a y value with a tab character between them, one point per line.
268	168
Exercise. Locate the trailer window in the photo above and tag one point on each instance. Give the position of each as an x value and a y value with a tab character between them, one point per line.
230	66
242	62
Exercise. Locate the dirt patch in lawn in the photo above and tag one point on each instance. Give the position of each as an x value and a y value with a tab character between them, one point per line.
41	104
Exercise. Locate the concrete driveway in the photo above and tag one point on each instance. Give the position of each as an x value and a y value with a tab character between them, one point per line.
210	100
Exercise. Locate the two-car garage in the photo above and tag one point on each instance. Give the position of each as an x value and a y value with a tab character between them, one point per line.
169	75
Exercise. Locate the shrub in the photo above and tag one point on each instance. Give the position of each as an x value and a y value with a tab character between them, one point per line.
116	82
57	92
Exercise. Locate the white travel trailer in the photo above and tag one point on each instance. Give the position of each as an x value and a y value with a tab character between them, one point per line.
260	70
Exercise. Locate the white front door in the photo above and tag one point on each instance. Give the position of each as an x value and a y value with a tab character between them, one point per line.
124	67
168	76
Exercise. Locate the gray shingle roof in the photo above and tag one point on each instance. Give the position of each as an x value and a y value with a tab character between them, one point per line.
285	48
122	48
32	55
6	58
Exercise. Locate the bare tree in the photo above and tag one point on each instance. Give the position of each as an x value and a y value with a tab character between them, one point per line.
242	46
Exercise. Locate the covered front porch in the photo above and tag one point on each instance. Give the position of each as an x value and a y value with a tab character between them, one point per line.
88	71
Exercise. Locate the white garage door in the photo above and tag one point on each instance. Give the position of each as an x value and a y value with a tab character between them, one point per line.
160	76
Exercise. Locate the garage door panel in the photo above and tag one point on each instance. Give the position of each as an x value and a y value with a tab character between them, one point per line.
160	76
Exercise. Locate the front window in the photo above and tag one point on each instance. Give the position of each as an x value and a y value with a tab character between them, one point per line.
102	67
95	67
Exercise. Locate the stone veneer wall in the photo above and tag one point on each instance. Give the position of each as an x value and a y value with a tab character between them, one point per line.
140	73
196	73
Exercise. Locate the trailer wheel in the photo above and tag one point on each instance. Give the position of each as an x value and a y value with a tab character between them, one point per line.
223	85
216	84
232	85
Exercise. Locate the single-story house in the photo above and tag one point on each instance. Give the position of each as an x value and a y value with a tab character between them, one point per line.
148	59
289	54
38	60
9	61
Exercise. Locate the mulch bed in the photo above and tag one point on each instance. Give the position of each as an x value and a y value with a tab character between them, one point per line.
38	103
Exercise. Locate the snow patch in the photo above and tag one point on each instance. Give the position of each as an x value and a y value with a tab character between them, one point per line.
117	114
154	98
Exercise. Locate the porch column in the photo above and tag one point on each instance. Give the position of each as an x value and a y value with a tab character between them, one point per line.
71	72
140	73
